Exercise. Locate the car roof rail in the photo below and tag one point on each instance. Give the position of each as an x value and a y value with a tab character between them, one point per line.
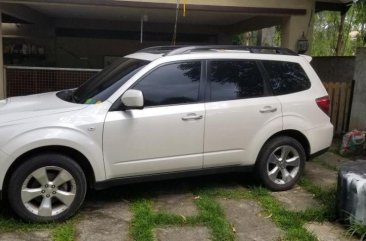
251	49
159	49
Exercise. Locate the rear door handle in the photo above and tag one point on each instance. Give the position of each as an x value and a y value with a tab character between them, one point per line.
268	109
192	116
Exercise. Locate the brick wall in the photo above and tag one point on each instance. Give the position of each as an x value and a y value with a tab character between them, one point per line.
28	80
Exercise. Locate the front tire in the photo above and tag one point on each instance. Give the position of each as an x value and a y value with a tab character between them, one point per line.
47	188
280	163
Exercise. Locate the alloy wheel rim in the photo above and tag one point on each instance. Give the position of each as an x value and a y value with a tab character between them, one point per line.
283	164
48	191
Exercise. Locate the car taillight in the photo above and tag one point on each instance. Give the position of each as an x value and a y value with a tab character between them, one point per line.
324	104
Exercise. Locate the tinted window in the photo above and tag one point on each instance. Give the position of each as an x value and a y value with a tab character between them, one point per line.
102	85
172	84
286	77
232	80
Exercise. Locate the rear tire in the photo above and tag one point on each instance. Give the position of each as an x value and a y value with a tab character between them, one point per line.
281	162
47	188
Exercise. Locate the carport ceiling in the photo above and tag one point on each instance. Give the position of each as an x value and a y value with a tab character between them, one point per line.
134	14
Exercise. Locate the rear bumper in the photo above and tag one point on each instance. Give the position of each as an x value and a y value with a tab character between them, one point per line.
319	153
320	138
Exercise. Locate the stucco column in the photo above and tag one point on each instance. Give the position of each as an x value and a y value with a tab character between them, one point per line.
293	27
2	84
358	113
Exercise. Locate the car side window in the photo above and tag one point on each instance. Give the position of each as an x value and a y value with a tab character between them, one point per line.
235	79
171	84
286	77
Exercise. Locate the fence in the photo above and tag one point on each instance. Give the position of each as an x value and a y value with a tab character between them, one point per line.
31	80
340	94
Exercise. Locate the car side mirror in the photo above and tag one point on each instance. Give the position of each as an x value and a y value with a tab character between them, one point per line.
133	99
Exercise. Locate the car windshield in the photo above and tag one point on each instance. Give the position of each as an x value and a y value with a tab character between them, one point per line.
102	85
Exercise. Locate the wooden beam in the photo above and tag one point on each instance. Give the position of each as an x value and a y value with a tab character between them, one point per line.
25	13
328	6
254	23
154	5
132	26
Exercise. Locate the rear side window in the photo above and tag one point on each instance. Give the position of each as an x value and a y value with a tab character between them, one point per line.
235	79
286	77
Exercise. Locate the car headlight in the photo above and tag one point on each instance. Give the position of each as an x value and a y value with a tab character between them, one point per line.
3	102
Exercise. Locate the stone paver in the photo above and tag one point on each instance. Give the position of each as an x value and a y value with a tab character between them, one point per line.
249	223
104	222
23	236
328	232
182	234
296	199
332	159
320	175
180	204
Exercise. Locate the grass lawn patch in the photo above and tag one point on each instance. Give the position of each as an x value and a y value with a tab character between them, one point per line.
211	215
60	231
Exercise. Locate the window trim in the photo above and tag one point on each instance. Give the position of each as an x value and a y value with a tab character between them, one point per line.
117	106
267	90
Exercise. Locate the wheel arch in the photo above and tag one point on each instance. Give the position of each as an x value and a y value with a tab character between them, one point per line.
297	135
63	150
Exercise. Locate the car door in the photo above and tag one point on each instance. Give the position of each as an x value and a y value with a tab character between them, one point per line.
165	136
240	110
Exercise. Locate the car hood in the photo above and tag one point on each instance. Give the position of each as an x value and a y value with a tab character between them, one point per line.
24	107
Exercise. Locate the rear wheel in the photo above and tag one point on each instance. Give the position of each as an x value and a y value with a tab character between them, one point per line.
48	187
281	163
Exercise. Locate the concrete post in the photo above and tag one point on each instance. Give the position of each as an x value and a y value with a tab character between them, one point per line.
291	31
293	27
358	113
2	84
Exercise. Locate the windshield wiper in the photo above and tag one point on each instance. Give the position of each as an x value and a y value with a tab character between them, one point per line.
74	98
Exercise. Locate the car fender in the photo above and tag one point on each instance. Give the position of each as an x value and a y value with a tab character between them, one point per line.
76	139
269	129
266	135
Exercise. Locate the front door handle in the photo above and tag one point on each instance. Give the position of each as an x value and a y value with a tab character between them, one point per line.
192	116
268	109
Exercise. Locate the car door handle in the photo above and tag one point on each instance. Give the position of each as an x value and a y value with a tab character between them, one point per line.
192	116
268	109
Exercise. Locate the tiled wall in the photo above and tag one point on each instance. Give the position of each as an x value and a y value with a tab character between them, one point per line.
26	81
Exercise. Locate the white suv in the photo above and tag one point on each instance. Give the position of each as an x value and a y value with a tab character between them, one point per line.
163	112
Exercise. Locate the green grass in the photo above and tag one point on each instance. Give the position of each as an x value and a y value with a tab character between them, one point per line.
290	222
64	231
327	197
60	231
326	165
357	229
146	219
211	215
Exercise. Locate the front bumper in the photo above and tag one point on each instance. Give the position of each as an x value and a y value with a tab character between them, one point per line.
3	158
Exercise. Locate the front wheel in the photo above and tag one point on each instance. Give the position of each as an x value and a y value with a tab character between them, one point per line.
46	188
281	163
